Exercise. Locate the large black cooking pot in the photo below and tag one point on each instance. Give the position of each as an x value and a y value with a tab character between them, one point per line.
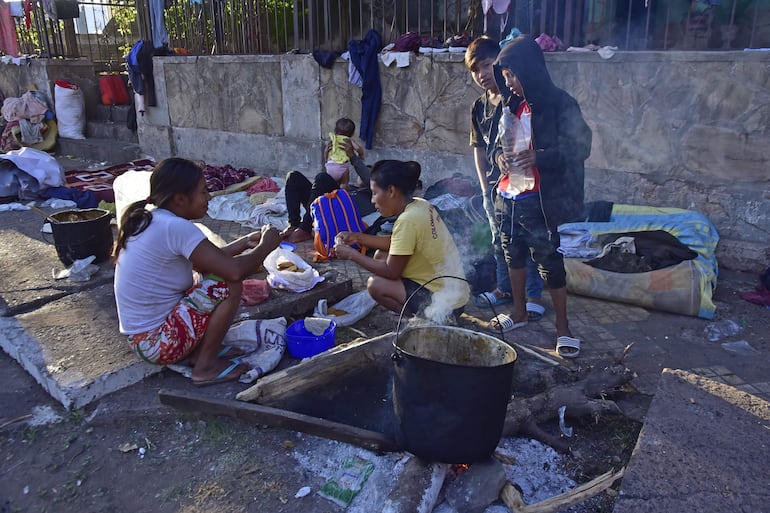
451	388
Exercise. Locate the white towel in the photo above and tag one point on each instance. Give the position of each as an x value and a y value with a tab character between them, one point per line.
577	244
402	59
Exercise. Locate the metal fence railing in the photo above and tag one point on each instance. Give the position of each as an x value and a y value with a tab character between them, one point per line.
105	29
274	26
100	30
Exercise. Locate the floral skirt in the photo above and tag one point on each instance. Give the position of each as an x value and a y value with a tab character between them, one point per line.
185	325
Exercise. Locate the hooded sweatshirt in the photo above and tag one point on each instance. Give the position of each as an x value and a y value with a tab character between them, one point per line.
560	136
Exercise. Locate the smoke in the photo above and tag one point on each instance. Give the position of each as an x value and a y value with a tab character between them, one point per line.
439	311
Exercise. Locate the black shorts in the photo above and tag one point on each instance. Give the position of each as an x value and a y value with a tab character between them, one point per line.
418	298
524	235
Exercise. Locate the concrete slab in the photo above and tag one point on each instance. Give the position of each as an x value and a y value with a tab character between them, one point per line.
73	348
26	264
66	334
703	447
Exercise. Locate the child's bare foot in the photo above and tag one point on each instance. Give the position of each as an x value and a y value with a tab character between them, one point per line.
287	232
299	235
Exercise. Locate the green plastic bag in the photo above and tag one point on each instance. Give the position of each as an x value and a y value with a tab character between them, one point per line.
348	481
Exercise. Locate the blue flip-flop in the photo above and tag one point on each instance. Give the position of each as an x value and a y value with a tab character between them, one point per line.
226	349
490	299
223	376
535	311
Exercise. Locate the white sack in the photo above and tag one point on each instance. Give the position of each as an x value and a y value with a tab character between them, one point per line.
70	112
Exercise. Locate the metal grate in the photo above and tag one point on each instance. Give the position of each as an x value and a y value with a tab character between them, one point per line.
106	30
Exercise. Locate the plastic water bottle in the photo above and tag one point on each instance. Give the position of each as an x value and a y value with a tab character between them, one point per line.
512	140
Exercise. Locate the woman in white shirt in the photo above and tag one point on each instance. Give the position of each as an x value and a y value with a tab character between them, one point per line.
169	312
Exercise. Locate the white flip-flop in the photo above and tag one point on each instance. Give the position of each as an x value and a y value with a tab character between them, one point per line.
504	323
565	342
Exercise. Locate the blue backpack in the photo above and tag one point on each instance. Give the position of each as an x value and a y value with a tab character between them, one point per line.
334	212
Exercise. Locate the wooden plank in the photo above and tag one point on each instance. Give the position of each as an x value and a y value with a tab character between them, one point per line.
291	304
512	498
327	367
275	417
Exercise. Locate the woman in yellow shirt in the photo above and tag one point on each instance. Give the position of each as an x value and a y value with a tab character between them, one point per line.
419	262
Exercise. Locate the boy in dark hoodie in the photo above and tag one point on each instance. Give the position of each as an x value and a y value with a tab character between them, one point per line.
485	116
559	143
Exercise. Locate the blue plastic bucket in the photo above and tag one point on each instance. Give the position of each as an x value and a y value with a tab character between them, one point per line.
303	344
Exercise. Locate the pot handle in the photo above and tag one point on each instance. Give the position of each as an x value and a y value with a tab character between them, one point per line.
45	234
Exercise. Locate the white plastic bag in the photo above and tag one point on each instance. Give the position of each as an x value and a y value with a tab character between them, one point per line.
70	109
356	305
294	281
81	270
263	340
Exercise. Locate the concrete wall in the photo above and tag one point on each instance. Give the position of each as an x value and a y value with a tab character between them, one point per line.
678	129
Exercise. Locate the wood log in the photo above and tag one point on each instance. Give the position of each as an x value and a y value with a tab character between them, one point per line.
582	398
524	414
512	498
275	417
416	488
327	367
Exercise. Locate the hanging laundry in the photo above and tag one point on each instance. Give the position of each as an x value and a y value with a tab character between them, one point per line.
499	7
402	59
159	32
363	54
140	70
28	13
325	58
354	77
8	42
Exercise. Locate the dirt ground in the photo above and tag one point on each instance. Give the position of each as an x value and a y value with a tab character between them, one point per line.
128	452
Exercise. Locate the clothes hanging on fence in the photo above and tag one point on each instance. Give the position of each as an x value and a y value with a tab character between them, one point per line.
354	77
364	55
132	66
159	32
8	43
500	7
140	71
325	58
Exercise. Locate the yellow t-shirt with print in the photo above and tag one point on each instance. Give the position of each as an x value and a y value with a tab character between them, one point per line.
421	233
337	153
